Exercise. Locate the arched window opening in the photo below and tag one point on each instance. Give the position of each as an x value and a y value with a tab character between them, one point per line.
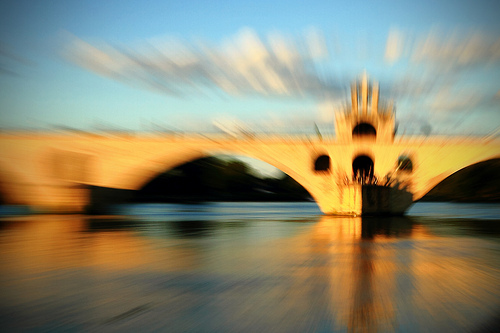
365	130
404	164
362	168
322	163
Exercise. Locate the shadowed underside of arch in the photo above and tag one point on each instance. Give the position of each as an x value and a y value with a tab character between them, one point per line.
479	182
219	178
142	175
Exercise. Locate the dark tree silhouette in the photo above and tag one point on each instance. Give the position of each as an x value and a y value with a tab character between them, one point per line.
215	179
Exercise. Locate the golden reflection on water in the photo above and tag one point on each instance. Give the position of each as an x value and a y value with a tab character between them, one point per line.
375	277
359	275
331	228
360	283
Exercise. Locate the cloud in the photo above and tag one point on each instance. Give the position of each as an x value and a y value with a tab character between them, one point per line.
242	65
327	109
444	51
446	100
316	44
394	46
435	71
457	49
414	124
446	75
414	86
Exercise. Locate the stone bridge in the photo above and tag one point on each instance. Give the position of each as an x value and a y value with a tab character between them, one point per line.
60	172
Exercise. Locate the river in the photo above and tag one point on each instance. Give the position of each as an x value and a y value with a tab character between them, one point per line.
252	267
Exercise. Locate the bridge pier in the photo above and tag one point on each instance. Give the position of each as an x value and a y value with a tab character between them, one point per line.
100	199
54	198
340	200
66	198
357	199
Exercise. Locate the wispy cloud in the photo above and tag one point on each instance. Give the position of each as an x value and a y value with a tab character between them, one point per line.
394	45
447	100
448	76
242	65
457	49
444	50
433	80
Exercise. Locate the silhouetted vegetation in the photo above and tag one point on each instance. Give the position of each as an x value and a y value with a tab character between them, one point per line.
215	179
478	183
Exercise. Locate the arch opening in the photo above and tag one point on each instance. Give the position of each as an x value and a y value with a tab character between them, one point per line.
362	168
478	182
222	178
322	164
405	164
364	130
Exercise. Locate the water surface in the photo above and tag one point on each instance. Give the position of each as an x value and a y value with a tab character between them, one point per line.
250	267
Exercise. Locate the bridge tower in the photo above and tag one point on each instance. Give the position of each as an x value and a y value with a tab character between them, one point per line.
366	118
366	125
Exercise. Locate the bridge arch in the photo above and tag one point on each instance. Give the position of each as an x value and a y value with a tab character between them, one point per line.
142	174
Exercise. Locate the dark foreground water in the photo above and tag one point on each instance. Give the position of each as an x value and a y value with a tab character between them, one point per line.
252	267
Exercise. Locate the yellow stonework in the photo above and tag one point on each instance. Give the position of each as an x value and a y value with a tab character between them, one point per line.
32	175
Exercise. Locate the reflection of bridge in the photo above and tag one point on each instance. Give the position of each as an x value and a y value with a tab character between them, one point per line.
46	171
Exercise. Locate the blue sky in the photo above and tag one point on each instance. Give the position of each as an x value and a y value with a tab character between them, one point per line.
260	65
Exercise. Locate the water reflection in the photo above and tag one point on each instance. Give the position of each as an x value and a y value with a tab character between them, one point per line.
233	272
100	224
365	228
194	228
359	273
387	227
